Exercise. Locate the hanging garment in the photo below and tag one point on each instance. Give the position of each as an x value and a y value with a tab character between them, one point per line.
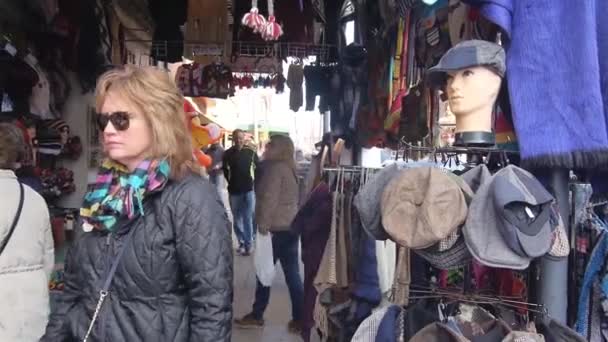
295	79
41	92
403	278
560	103
593	272
386	254
313	222
168	41
207	23
104	31
217	81
189	79
432	33
318	80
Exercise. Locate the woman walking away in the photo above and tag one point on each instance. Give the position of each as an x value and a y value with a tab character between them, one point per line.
276	206
26	248
155	261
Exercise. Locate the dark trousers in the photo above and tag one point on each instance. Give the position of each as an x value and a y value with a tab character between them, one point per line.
284	249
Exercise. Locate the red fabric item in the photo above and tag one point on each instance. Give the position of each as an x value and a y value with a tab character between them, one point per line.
58	229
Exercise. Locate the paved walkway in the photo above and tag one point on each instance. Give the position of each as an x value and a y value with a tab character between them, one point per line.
278	313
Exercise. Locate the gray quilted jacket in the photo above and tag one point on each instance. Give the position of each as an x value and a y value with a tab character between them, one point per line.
174	281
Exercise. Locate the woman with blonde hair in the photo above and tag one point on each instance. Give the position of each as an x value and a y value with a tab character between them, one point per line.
26	248
276	206
155	261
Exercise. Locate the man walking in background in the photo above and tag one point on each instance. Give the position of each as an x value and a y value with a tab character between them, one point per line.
239	164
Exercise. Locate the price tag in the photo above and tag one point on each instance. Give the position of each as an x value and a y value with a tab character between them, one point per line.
69	224
529	213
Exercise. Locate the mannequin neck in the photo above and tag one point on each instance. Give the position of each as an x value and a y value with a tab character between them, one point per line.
476	121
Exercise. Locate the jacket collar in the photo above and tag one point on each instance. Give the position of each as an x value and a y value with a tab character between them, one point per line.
4	173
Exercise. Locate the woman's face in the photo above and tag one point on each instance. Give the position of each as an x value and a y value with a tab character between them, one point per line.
127	137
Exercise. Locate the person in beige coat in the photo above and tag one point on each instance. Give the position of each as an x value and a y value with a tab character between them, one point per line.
27	259
277	195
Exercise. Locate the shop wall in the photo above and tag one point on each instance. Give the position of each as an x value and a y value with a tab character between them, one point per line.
75	114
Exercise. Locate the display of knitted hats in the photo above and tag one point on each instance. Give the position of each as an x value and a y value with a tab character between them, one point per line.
273	30
57	182
254	19
73	149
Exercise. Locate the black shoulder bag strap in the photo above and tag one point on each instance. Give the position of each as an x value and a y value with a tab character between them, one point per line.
103	293
15	220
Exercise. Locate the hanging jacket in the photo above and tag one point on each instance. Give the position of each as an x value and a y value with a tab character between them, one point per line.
174	281
25	264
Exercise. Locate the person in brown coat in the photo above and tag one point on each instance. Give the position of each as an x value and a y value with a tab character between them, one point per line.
276	191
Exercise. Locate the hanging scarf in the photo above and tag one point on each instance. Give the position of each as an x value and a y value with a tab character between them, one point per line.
117	193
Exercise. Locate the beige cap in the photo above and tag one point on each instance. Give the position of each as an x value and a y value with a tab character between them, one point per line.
422	206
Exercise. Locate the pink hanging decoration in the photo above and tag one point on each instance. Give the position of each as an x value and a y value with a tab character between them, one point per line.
273	30
254	19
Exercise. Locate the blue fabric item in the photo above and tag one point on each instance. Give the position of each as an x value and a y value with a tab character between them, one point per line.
284	249
557	71
387	331
367	284
594	266
243	206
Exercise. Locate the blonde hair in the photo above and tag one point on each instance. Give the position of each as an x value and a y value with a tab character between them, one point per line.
12	146
154	93
282	150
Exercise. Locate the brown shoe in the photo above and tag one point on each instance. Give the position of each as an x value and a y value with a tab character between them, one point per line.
248	321
294	327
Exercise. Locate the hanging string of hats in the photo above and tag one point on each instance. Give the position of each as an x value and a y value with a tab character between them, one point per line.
269	29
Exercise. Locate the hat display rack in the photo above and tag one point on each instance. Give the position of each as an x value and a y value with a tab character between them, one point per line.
475	155
454	295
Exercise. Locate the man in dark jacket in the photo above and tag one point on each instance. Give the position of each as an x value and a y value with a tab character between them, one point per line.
239	168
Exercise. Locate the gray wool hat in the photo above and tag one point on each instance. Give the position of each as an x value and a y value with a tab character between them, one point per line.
458	254
509	220
466	54
367	202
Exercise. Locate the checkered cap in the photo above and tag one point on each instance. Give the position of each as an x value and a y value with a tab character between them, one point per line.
455	257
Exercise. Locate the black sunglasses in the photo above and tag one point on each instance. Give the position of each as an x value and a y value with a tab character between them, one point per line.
120	120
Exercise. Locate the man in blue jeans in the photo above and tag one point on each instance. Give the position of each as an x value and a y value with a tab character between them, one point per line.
239	164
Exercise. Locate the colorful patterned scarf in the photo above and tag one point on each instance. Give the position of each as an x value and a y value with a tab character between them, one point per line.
117	193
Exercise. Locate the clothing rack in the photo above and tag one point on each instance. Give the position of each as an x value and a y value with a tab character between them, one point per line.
349	168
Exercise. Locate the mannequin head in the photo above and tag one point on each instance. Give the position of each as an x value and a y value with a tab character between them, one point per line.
472	93
471	73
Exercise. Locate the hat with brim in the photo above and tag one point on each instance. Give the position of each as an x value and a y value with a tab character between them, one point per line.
457	255
367	202
468	54
506	226
438	332
421	207
523	336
